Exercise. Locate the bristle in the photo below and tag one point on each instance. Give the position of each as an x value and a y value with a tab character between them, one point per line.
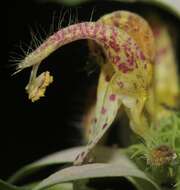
35	41
62	19
70	17
76	17
92	14
16	72
52	25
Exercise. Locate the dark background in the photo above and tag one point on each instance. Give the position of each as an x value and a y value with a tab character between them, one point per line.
40	128
32	130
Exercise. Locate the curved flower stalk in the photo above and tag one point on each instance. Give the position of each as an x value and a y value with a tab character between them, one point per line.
128	44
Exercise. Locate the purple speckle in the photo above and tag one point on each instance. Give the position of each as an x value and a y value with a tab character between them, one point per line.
142	57
112	97
103	110
104	126
116	59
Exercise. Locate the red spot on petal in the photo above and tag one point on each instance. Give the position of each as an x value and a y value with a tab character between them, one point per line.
112	97
116	60
114	45
103	110
123	67
104	126
142	57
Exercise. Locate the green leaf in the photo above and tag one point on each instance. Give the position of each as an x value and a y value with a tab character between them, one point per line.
63	186
140	184
56	158
121	167
103	154
6	186
135	183
81	185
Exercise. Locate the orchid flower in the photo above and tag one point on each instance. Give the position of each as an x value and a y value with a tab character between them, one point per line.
127	42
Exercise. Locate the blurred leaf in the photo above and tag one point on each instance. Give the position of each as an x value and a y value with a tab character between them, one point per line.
103	154
62	157
115	157
140	184
121	168
81	185
6	186
170	5
63	186
137	185
56	158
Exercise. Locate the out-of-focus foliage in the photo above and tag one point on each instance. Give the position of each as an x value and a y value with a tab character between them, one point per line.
170	5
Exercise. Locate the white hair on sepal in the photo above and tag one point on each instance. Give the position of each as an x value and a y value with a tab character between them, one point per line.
39	36
92	14
23	58
37	85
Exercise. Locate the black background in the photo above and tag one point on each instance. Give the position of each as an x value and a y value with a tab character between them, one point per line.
36	129
32	130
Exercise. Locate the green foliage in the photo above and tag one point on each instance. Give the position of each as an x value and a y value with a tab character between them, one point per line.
160	150
53	159
117	164
112	162
6	186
